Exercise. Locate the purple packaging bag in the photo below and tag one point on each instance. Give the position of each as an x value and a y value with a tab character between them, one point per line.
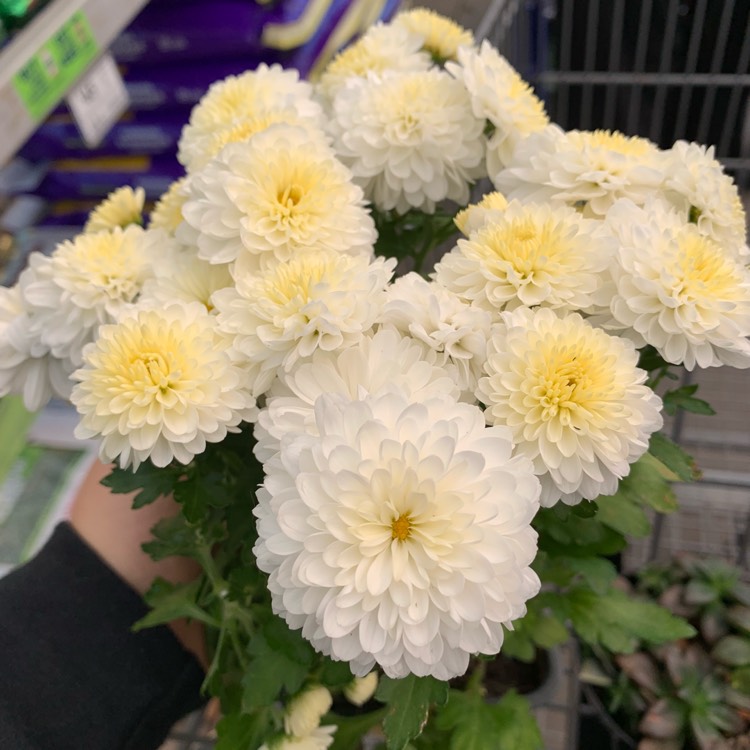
179	84
97	178
148	133
226	28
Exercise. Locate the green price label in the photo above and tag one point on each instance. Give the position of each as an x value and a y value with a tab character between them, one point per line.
48	74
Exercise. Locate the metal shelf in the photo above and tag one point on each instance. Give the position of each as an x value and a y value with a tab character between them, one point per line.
102	22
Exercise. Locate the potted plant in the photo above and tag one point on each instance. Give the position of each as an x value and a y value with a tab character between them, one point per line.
404	475
692	692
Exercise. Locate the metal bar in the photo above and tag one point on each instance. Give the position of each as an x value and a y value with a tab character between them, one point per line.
675	433
566	37
490	19
589	63
691	65
615	49
645	79
660	100
731	120
719	49
639	66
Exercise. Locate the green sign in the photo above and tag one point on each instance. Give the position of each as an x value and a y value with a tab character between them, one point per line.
49	73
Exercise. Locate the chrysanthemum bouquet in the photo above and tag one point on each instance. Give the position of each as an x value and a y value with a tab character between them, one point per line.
390	474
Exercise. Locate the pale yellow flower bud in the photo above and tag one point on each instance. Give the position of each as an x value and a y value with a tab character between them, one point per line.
361	689
305	710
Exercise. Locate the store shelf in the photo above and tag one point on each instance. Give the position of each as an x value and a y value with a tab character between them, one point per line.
46	58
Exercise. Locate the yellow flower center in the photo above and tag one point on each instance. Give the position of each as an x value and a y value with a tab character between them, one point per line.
242	130
290	196
295	280
357	60
611	141
567	381
701	270
153	367
401	527
442	36
529	246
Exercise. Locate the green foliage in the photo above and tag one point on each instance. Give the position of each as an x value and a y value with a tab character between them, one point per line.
409	701
541	627
169	601
238	731
475	724
280	660
673	457
619	622
683	398
352	728
148	481
413	235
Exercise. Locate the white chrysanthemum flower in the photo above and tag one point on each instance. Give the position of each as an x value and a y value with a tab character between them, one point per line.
303	713
678	290
319	300
27	366
594	168
179	275
361	689
410	139
229	102
120	208
573	398
383	47
441	35
159	385
91	280
277	195
697	185
319	739
211	145
500	95
476	215
378	363
400	536
442	322
167	212
528	255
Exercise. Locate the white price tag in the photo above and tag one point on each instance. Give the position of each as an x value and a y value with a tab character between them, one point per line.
98	100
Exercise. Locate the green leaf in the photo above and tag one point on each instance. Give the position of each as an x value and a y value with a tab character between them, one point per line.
739	616
618	621
646	620
172	537
170	601
649	484
598	572
478	725
622	514
740	679
272	668
200	491
409	701
549	632
335	674
517	644
351	729
238	731
673	457
682	398
152	481
732	650
574	535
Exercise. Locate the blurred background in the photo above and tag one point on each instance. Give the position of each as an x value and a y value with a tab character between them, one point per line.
664	69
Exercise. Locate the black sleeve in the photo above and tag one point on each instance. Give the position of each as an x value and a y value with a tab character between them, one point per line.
72	674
